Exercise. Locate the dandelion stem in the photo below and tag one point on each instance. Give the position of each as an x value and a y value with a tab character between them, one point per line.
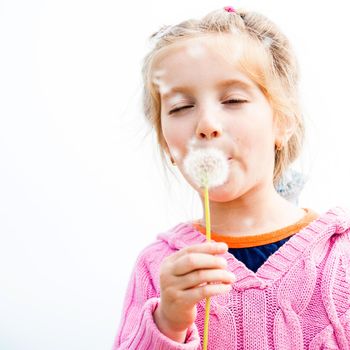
208	238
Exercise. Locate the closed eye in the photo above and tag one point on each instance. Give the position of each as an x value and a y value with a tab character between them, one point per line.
231	101
178	109
234	100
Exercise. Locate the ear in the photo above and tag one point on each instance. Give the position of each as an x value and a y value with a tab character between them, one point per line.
283	131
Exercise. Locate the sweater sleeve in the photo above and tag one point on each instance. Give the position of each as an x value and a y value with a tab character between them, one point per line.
137	329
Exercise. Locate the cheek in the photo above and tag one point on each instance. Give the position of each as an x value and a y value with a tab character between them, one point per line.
254	141
176	139
263	145
171	138
178	127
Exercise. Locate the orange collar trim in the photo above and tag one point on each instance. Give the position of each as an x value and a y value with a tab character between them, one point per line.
264	238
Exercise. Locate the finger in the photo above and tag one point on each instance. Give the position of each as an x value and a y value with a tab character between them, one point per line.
211	247
205	247
202	277
195	295
196	261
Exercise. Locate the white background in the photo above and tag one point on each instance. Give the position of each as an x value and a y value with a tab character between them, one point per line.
82	190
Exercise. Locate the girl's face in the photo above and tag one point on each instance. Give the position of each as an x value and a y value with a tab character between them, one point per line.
207	101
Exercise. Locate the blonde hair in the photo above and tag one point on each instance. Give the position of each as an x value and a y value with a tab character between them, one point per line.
268	59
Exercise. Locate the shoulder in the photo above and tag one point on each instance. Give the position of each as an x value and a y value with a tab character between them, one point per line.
333	228
340	218
335	221
339	253
341	240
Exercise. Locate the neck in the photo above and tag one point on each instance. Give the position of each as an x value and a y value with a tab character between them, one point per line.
255	212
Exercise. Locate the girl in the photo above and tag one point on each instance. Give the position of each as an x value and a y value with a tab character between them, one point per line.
278	275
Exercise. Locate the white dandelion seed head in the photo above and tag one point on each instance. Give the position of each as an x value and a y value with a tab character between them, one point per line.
206	166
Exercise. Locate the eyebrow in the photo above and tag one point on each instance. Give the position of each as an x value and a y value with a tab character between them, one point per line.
221	84
232	82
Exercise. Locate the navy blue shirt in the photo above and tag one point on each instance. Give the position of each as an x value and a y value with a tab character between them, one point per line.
254	257
254	254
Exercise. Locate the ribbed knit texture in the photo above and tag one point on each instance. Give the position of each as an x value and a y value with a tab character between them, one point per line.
298	299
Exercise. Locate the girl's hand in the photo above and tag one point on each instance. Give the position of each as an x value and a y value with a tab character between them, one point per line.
186	277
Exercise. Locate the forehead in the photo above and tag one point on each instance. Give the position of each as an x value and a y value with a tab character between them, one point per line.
201	59
221	42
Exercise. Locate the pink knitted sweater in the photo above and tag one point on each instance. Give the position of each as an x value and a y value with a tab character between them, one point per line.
298	299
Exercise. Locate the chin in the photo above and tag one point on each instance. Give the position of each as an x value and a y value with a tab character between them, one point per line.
224	194
223	197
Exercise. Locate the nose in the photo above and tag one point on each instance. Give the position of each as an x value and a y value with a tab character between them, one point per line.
208	128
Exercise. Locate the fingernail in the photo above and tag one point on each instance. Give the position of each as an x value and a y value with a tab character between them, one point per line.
222	246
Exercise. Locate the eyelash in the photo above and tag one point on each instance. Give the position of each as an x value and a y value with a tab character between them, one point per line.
232	100
235	100
178	109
